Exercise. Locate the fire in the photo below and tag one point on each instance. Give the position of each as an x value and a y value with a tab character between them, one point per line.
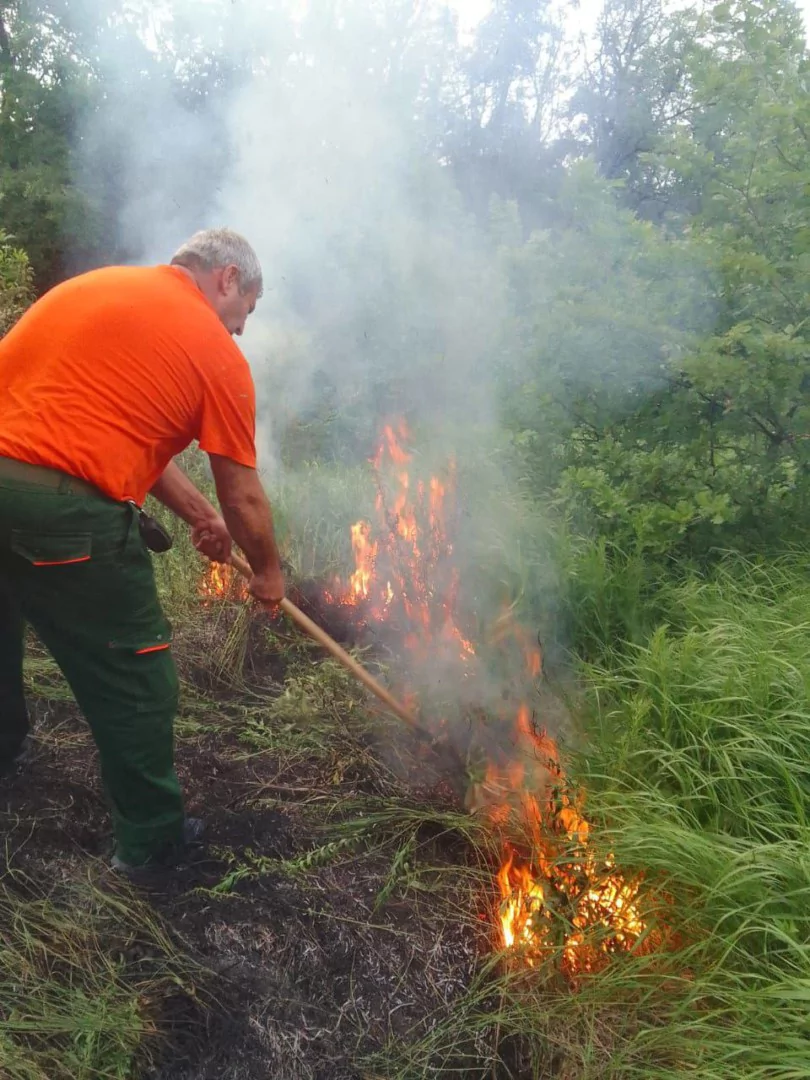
556	896
365	554
406	576
589	910
221	581
524	902
559	894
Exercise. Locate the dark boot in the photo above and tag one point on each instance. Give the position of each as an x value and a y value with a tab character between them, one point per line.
21	758
193	830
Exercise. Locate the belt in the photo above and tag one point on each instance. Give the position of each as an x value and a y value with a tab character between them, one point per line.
63	482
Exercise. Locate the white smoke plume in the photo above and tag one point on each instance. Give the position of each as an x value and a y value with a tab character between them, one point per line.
384	295
374	274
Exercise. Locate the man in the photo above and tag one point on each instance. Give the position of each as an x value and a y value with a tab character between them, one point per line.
102	382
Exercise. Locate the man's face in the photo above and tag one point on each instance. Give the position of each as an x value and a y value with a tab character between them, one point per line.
231	305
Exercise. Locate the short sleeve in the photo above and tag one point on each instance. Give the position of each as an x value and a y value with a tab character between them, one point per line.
228	414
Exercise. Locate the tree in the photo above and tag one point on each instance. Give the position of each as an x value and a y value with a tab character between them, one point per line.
43	90
92	118
633	93
607	308
714	451
746	154
503	122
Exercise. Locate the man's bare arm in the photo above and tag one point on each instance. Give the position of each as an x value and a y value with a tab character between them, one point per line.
175	490
249	518
209	532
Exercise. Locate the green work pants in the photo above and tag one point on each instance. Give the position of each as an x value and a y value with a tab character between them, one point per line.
75	567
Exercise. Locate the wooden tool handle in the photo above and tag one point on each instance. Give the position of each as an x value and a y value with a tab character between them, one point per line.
321	636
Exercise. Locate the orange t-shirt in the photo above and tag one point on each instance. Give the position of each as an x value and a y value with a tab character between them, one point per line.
112	373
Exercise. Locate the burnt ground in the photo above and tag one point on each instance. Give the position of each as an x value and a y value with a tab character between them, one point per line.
337	912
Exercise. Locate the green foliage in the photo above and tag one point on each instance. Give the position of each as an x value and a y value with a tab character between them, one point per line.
748	160
63	102
16	283
662	384
43	94
723	446
696	771
649	335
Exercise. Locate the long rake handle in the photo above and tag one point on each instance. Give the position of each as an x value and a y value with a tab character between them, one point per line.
309	627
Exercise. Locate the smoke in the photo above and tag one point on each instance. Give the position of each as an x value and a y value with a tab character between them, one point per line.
317	133
379	287
373	268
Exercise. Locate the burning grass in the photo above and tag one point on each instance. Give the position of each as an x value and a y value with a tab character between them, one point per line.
406	580
221	582
406	585
360	926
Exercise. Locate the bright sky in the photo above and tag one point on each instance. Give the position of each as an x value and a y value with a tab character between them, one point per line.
469	12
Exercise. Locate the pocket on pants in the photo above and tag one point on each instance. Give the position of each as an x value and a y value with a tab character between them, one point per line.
52	549
151	677
156	637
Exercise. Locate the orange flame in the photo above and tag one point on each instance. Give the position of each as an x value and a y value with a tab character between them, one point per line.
557	895
220	582
419	585
595	910
561	885
365	554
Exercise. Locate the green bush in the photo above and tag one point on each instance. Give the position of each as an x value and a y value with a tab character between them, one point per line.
16	283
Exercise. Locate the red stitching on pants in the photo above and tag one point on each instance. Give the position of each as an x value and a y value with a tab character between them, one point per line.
61	562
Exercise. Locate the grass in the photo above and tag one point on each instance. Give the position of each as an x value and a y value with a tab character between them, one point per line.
82	974
697	767
696	763
694	751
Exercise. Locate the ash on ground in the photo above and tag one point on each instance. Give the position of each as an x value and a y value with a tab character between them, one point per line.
310	958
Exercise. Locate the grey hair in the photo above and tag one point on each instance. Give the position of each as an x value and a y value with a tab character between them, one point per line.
210	249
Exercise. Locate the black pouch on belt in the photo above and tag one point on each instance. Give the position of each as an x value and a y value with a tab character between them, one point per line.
152	532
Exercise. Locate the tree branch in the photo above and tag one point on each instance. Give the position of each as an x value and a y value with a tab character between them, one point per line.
6	53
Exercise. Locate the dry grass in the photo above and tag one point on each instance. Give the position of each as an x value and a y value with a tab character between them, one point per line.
84	972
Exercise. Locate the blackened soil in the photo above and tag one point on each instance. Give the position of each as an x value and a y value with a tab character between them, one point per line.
301	975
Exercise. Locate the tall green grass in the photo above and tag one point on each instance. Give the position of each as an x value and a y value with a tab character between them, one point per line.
696	762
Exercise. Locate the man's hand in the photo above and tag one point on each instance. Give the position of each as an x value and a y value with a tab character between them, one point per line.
268	588
212	539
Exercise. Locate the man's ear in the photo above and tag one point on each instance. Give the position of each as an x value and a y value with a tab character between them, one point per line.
230	277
